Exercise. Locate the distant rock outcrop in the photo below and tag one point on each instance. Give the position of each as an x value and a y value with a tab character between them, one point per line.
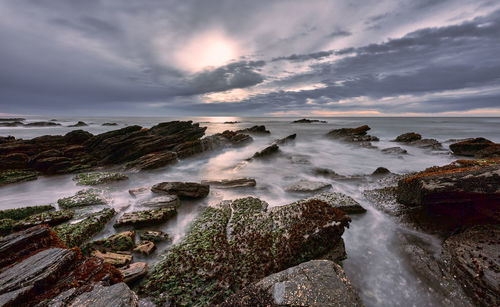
354	135
477	147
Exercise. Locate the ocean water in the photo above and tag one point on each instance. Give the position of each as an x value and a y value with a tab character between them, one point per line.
375	265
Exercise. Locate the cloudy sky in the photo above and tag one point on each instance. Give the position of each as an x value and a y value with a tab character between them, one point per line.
250	58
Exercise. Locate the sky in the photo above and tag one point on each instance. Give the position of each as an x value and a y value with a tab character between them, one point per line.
250	58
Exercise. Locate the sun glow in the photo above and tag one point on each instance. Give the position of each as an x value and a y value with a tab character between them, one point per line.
210	49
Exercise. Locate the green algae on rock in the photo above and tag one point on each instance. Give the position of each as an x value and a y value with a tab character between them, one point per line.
51	218
238	242
153	236
146	217
13	176
123	241
77	233
97	178
340	201
24	212
83	198
6	226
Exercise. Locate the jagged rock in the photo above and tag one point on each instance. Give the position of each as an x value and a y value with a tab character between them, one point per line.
308	121
239	242
286	140
408	137
231	183
313	283
123	241
472	257
212	142
479	147
381	171
462	193
182	189
99	178
307	186
139	191
146	217
117	259
24	212
77	137
77	233
340	201
266	152
162	202
395	151
13	176
154	160
146	248
354	135
109	124
79	124
51	218
134	271
153	236
83	198
118	295
255	129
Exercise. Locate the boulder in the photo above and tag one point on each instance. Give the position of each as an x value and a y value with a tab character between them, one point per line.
430	144
82	198
77	233
313	283
492	151
471	147
153	236
231	183
286	140
109	124
79	124
307	186
134	271
117	259
162	202
381	171
146	217
99	178
266	152
154	160
239	242
145	248
14	176
408	137
51	218
255	129
308	121
394	151
182	189
340	201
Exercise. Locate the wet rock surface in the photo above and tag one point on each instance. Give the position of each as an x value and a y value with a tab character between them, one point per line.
123	241
134	271
354	135
255	129
307	186
286	140
408	137
477	147
98	178
162	202
231	183
313	283
83	198
266	152
182	189
153	236
14	176
50	218
146	217
340	201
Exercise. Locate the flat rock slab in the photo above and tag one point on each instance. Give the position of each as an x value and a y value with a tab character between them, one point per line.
51	218
134	271
145	248
116	259
97	178
24	212
182	189
13	176
153	236
162	202
307	186
83	198
123	241
231	183
146	217
340	201
118	295
313	283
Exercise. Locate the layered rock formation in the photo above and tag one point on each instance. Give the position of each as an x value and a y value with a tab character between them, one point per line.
354	135
477	147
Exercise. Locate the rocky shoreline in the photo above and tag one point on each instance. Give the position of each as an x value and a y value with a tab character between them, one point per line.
237	252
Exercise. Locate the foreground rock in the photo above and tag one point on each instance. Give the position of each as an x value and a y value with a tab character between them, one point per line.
99	178
24	212
255	129
134	271
340	201
308	121
477	147
124	241
51	218
83	198
77	233
459	194
313	283
231	183
354	135
146	217
153	236
307	186
239	242
162	202
182	189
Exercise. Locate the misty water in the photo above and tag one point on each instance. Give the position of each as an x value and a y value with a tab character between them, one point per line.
375	263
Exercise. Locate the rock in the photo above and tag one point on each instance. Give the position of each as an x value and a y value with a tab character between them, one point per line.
146	217
12	124
77	233
212	142
153	236
79	124
13	176
77	136
266	152
255	129
82	198
162	202
408	137
231	123
381	171
139	191
308	121
123	241
24	212
99	178
431	144
51	218
146	248
307	186
492	151
182	189
41	124
471	147
395	151
459	194
9	119
118	295
18	161
354	135
154	160
286	140
340	201
239	242
472	257
118	259
327	173
109	124
313	283
134	271
6	226
231	183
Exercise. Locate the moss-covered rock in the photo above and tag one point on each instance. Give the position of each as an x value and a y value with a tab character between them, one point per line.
117	259
51	218
145	248
239	242
146	217
6	226
77	233
98	178
13	176
83	198
153	236
24	212
123	241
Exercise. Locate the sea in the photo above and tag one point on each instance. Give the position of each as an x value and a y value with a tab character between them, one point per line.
376	263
